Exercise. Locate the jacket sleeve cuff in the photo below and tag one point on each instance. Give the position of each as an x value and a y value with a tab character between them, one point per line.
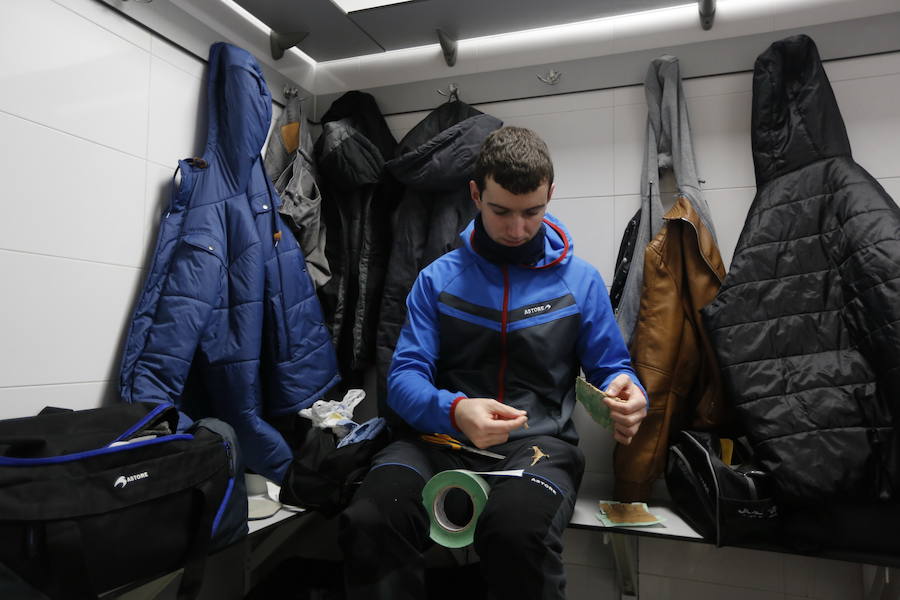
453	413
633	378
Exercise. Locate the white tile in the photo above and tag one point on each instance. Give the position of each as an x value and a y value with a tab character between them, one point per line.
178	57
589	583
158	194
729	211
94	85
630	140
407	121
581	145
66	196
596	442
872	117
549	104
720	126
545	45
590	222
837	580
18	402
178	114
664	588
632	94
63	321
892	186
719	84
110	19
863	66
704	562
586	548
803	13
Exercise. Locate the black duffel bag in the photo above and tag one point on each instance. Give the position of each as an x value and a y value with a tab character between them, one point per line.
726	503
95	499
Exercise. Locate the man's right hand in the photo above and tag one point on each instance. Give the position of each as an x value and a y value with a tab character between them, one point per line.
487	422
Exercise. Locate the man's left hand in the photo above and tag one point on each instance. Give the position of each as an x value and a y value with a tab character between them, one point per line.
627	406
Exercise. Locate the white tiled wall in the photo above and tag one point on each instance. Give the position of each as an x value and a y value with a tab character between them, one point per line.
597	143
93	127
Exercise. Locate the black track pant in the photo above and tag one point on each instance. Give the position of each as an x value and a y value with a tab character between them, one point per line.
518	537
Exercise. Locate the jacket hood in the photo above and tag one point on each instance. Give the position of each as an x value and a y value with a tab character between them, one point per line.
240	109
795	117
366	118
444	159
346	157
558	245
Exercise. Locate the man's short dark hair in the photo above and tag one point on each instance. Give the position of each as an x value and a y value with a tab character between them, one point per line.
516	158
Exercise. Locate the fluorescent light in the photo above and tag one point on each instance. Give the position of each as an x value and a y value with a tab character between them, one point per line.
349	6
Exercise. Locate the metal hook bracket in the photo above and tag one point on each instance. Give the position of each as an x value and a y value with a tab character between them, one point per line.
551	78
452	93
279	42
707	13
448	47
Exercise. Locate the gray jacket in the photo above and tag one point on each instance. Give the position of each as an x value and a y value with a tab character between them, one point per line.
668	147
290	166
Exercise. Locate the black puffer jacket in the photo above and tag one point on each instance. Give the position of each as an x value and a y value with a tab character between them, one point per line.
434	162
807	323
357	202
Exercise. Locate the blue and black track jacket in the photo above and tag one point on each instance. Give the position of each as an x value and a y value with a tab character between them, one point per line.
515	334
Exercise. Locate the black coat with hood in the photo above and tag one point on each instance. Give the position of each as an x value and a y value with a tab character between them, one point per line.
807	323
435	162
358	200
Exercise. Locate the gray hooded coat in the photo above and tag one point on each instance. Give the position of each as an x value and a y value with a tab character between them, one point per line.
668	146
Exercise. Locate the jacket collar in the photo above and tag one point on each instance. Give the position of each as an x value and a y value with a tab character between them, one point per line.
558	244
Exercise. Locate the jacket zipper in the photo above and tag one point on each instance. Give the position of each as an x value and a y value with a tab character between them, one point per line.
504	321
711	409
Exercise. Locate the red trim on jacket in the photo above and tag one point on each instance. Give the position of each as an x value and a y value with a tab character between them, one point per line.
453	412
565	251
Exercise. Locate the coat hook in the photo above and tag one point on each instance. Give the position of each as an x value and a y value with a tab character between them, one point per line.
290	91
551	78
279	42
707	13
448	47
452	92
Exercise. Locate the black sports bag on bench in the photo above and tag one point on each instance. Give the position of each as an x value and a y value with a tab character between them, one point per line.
95	499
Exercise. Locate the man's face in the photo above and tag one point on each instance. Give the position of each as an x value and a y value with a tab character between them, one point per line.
510	219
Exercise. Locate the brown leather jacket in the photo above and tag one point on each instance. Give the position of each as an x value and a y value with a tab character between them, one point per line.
670	349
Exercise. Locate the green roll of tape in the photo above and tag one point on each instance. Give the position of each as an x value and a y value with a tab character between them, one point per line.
444	530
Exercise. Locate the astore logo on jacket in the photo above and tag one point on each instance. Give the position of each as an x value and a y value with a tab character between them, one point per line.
124	480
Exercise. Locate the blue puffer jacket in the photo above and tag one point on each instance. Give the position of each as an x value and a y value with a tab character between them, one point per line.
228	323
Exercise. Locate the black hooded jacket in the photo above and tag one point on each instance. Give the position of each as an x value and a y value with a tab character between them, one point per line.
807	323
357	203
435	161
